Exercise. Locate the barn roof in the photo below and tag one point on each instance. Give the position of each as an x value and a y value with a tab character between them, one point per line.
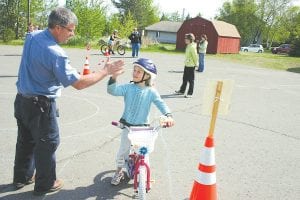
166	26
225	29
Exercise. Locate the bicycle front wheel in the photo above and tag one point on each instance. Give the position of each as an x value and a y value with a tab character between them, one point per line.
142	183
121	50
103	48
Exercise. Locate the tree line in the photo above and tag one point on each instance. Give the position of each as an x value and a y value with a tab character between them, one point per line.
268	22
94	17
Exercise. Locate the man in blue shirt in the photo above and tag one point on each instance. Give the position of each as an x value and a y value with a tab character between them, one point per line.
44	70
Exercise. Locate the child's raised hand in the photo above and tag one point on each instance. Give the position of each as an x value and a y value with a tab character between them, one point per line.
114	68
116	74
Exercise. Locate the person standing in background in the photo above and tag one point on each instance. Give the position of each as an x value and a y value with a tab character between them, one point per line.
191	61
30	27
136	42
202	51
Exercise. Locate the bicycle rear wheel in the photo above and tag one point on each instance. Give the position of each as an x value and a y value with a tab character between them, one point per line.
142	183
121	50
103	48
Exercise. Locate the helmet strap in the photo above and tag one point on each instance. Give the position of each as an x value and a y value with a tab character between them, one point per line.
142	80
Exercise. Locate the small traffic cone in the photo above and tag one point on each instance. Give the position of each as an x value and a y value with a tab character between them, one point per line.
106	53
205	182
86	67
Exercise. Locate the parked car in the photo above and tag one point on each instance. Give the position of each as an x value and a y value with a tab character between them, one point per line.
253	48
283	48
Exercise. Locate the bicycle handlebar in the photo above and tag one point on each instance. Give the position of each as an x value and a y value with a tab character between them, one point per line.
162	124
122	126
118	124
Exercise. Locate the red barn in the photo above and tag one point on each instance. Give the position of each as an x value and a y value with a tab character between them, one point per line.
222	37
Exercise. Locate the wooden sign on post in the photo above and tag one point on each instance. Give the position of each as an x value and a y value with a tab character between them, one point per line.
216	100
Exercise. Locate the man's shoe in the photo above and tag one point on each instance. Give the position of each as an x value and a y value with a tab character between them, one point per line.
58	184
21	185
178	92
188	96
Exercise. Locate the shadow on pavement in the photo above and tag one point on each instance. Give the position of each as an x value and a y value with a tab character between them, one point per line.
174	71
169	96
295	70
8	76
6	188
11	55
100	189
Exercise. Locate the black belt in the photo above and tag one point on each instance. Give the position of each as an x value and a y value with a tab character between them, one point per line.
36	97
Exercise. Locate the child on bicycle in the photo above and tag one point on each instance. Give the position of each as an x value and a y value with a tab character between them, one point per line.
139	94
111	41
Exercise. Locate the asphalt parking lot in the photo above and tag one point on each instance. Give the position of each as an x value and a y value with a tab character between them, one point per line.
257	143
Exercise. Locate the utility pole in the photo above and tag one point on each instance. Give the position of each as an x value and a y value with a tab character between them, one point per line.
28	14
18	19
183	14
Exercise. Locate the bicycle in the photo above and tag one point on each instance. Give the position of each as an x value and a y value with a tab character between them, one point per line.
121	49
142	140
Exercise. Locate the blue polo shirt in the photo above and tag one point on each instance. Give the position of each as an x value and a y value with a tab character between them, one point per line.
45	68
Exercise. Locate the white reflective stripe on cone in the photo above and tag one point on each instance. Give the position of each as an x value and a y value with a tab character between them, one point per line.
206	178
208	156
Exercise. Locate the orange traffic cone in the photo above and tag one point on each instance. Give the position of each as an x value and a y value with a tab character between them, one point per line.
205	182
106	53
86	67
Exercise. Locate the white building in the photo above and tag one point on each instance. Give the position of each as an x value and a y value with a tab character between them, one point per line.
163	31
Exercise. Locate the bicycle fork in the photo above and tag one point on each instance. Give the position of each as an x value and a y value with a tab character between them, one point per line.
141	162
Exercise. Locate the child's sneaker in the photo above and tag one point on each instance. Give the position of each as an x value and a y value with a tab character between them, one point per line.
118	176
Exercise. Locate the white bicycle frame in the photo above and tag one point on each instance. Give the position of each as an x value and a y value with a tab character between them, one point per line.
142	140
142	144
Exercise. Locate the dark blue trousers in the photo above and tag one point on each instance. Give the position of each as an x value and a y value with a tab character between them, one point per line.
135	49
37	141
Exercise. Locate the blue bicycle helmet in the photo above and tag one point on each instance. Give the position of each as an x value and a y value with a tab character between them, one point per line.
147	65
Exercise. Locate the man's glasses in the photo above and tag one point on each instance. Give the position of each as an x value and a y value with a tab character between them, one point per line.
68	29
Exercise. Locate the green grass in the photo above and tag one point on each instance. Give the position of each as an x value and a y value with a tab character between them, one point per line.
265	60
13	42
161	48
